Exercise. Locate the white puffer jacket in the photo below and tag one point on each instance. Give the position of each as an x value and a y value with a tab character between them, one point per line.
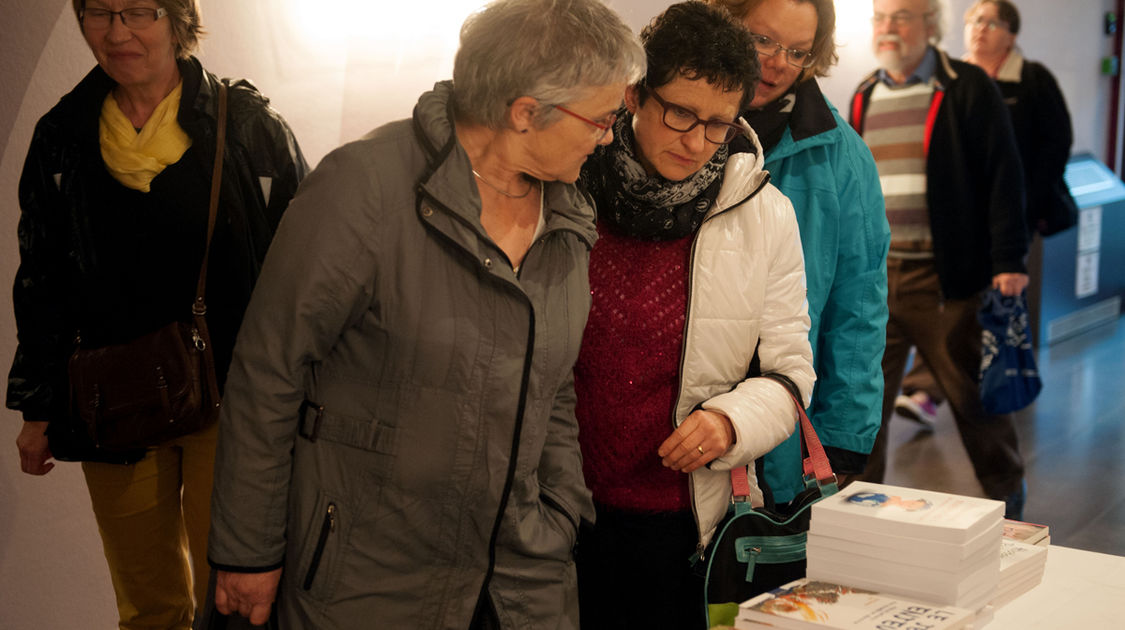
746	291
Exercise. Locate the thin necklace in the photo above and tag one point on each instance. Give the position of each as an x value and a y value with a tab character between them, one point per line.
507	194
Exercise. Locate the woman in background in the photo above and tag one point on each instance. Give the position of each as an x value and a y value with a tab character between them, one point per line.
697	275
114	209
826	170
1038	110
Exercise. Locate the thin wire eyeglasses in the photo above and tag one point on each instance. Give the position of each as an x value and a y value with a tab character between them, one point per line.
898	18
681	119
603	127
134	19
988	25
793	56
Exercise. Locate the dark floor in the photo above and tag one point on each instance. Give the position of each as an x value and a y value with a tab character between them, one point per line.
1072	439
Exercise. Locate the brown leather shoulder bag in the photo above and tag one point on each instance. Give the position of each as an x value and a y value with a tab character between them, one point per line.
161	385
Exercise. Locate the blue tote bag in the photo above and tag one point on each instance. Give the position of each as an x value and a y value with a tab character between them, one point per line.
1009	380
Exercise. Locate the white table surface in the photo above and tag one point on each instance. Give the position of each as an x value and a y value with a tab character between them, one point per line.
1080	590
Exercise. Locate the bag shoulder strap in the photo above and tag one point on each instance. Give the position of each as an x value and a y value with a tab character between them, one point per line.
199	307
814	460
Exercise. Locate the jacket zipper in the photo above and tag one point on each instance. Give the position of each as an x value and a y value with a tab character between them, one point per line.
510	476
524	382
326	528
699	546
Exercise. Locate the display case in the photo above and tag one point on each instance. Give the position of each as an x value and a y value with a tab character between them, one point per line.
1084	266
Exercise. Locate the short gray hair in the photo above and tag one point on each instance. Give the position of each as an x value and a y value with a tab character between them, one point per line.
550	50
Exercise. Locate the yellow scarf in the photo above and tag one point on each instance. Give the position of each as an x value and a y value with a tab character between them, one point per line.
134	159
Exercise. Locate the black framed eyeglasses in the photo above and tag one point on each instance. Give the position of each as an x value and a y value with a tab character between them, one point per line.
602	127
793	56
679	118
134	19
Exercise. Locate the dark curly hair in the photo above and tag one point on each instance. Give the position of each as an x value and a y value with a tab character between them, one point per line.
697	41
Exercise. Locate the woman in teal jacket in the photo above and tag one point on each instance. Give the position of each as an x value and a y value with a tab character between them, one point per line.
826	170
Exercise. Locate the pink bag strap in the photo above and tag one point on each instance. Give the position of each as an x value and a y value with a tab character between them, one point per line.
740	483
814	460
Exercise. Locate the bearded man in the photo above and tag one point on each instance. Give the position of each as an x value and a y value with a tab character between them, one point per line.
953	184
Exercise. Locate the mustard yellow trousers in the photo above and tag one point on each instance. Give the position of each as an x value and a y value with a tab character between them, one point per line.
153	518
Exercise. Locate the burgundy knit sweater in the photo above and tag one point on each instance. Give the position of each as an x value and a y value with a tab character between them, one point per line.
627	373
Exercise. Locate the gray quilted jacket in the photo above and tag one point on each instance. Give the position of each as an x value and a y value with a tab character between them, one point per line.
445	460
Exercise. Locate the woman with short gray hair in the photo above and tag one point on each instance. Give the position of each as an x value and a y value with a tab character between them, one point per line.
398	443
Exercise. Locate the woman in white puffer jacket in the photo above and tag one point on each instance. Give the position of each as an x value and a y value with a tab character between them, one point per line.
698	270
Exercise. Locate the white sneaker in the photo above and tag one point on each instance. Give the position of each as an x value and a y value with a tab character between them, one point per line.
924	413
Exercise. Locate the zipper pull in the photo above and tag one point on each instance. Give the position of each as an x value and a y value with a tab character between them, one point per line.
332	517
751	563
197	339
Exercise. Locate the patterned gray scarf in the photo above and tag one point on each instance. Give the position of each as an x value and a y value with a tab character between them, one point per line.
648	207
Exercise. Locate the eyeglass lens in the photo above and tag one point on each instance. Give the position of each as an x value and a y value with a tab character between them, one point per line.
989	25
793	56
898	18
135	18
605	126
681	119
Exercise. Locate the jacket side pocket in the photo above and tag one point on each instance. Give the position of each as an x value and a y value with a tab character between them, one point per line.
322	545
563	522
327	528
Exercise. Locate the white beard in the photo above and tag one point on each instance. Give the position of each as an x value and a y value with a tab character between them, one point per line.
891	60
894	60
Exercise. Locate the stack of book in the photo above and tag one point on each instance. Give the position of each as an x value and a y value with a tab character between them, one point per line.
1021	569
811	604
1030	533
919	544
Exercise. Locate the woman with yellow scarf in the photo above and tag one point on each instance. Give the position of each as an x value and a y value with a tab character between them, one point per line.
114	202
